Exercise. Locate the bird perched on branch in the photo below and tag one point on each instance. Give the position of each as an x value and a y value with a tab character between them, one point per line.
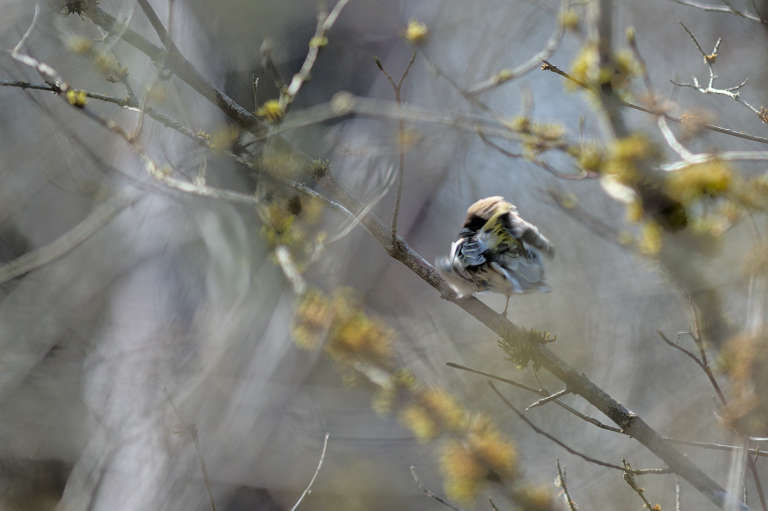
496	251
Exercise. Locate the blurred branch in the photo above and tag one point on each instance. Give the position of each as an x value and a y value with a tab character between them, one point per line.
429	493
658	205
269	63
715	446
506	75
98	218
160	174
752	465
539	163
130	104
397	88
308	489
725	9
183	69
324	24
629	422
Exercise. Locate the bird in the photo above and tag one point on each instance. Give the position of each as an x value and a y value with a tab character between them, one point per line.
497	251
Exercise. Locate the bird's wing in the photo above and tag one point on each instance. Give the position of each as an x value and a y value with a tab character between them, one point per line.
469	251
528	233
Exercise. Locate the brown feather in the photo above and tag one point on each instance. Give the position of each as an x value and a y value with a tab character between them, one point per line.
479	212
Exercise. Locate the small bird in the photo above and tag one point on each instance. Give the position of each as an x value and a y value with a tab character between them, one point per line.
496	251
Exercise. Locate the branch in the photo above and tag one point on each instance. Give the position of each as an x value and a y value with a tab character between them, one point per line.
325	23
630	423
568	499
715	446
630	480
100	216
569	449
308	489
397	88
540	392
704	367
176	62
547	66
725	9
429	493
547	399
732	92
506	75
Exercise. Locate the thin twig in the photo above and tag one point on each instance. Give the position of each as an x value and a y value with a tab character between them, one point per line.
192	431
129	104
548	66
429	493
644	67
569	449
160	174
547	399
564	486
507	75
540	163
397	88
758	485
732	92
714	446
98	218
325	23
727	9
308	489
269	64
707	370
540	392
629	478
183	69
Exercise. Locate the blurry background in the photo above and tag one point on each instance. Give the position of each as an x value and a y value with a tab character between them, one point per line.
165	338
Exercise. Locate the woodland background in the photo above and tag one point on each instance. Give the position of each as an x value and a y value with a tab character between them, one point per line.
167	336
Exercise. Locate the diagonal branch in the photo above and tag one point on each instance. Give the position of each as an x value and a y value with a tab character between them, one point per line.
183	69
565	446
630	423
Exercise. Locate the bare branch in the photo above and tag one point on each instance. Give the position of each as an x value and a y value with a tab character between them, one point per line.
183	69
731	92
397	88
726	9
547	66
429	493
564	485
629	478
100	216
756	477
325	23
547	399
715	446
506	75
704	367
308	489
569	449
